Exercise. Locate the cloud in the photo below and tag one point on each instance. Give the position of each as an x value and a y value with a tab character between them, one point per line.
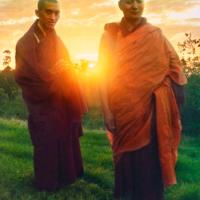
22	20
160	6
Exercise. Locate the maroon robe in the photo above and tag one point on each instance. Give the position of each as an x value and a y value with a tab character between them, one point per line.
51	92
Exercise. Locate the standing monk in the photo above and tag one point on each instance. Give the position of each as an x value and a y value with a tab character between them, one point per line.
141	93
50	90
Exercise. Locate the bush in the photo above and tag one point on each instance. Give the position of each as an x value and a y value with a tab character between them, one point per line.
191	109
94	118
3	97
193	92
13	108
8	84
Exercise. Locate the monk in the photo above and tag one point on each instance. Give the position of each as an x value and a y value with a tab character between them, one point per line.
52	95
141	91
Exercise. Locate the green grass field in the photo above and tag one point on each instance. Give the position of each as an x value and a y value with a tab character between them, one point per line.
16	170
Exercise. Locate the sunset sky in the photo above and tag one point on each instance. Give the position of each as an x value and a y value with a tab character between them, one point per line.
81	23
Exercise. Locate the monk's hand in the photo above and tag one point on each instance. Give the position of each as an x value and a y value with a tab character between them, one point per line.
110	122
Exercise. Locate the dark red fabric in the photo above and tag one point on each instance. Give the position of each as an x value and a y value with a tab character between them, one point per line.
57	156
53	98
45	73
138	175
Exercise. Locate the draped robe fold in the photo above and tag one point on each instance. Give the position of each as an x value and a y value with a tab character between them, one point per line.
54	101
137	68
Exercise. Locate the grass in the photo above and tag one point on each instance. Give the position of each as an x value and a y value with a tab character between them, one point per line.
16	169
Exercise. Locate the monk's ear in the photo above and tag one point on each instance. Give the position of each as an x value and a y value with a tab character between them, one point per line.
37	13
120	5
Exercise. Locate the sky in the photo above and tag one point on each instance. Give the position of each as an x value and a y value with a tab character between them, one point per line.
82	21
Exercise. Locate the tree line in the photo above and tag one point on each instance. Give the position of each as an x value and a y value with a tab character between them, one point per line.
11	104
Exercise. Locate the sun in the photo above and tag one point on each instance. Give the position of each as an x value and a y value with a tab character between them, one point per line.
91	65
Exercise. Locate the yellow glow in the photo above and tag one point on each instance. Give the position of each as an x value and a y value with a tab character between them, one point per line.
91	65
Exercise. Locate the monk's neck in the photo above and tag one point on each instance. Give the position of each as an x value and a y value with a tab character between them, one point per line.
44	30
131	24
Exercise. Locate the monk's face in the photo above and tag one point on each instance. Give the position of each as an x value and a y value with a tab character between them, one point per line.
48	15
132	9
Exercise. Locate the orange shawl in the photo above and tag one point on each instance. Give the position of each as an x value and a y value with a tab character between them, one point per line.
140	66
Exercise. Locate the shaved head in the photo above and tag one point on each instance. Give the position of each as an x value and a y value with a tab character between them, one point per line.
132	9
48	13
41	3
130	1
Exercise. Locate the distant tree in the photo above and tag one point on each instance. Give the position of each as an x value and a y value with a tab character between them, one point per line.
6	58
84	65
7	69
190	54
7	82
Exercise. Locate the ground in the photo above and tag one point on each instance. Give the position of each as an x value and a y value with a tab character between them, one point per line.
16	171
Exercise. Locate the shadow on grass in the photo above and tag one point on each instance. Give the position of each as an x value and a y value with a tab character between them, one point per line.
16	139
19	155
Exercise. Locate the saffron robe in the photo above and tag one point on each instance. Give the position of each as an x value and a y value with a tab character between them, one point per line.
53	98
142	65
